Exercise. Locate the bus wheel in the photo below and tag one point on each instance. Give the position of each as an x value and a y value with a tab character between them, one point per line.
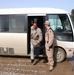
59	54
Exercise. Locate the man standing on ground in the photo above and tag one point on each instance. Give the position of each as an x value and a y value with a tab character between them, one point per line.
49	37
36	38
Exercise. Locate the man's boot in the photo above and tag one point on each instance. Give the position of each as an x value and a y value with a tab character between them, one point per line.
51	68
32	60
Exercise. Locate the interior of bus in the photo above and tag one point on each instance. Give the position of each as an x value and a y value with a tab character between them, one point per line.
40	22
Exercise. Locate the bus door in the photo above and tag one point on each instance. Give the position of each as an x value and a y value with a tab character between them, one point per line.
40	21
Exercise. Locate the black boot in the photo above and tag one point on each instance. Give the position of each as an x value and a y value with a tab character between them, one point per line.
32	60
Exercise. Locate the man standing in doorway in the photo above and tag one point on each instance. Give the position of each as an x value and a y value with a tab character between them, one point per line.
36	38
49	37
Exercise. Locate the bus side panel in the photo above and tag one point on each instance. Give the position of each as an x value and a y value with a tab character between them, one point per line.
13	43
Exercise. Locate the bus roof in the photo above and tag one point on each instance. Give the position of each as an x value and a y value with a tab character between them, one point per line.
32	11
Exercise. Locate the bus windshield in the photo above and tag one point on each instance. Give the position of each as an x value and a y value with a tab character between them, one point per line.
61	26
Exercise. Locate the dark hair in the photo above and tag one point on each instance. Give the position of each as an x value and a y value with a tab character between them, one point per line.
35	22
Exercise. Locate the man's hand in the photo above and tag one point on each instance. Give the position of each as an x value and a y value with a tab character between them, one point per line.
38	42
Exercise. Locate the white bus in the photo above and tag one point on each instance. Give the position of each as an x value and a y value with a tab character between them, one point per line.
15	31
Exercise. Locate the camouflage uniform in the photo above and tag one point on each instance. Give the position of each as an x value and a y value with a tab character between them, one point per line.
36	35
49	37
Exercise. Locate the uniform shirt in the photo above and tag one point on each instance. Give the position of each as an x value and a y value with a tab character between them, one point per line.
36	35
49	37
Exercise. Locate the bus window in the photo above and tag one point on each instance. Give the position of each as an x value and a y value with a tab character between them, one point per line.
13	23
4	23
61	27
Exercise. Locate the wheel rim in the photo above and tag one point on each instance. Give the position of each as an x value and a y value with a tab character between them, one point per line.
59	55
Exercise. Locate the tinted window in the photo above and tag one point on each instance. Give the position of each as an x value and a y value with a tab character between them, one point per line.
4	23
13	23
61	27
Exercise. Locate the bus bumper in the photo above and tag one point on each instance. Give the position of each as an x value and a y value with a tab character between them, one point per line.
70	52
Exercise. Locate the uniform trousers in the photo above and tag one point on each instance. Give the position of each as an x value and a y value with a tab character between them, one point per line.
49	54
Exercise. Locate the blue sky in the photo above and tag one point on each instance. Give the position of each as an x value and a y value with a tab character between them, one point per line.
67	5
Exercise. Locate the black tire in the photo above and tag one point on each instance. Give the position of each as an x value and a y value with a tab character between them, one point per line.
59	54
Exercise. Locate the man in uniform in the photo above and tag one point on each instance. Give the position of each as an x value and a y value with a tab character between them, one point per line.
49	37
36	38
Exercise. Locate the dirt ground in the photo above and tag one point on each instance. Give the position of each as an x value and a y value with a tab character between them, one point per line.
22	66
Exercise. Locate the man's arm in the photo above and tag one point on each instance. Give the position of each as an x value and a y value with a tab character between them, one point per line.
40	36
51	38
